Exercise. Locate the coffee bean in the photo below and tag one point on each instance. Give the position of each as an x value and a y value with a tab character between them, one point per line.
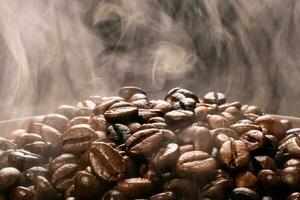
21	193
78	139
274	126
9	178
242	128
56	121
129	91
44	190
87	186
63	177
242	193
264	162
31	173
290	176
294	196
113	195
179	118
67	111
166	157
107	162
215	98
163	196
195	164
254	140
122	114
162	105
251	109
269	180
294	162
234	154
135	187
144	142
119	132
217	121
245	179
218	189
183	188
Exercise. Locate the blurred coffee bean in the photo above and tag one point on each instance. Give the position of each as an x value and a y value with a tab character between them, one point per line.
185	104
217	121
63	177
290	176
119	132
62	160
113	195
195	164
44	190
78	138
6	144
179	118
218	189
9	178
242	128
274	126
242	193
269	180
215	98
67	111
21	193
294	196
121	115
163	196
200	113
135	187
103	106
294	162
245	179
56	121
162	105
264	162
251	109
183	188
129	91
31	173
107	162
166	157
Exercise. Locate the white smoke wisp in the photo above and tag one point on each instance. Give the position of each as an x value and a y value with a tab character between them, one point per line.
60	51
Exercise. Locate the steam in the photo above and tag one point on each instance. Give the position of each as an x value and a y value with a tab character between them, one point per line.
61	51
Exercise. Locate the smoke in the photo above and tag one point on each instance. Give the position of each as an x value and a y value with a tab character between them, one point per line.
60	51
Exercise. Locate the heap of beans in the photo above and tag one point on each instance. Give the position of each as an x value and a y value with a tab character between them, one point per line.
129	147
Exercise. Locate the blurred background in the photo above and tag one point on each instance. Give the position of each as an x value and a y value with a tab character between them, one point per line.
56	52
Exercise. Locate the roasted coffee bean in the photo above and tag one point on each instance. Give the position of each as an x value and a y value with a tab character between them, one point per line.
234	154
70	192
200	137
27	138
294	162
118	132
293	131
218	189
245	179
107	162
98	123
62	160
274	126
129	91
269	180
9	178
183	188
21	193
6	144
135	187
294	196
162	105
166	157
87	186
67	111
215	98
78	120
290	176
78	139
64	176
179	118
56	121
185	104
163	196
113	195
200	113
251	109
84	112
44	190
242	193
264	162
195	164
23	159
103	106
144	142
254	140
121	115
217	121
242	128
31	173
186	148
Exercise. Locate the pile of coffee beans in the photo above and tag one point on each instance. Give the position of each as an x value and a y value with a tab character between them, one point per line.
129	147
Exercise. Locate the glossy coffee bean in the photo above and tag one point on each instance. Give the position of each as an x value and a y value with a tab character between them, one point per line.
21	193
121	114
290	176
243	194
162	105
119	132
61	160
179	118
113	195
31	173
242	128
195	164
269	180
44	190
87	186
78	139
135	187
294	162
274	126
218	189
107	162
63	177
129	91
163	196
254	140
166	157
246	109
234	154
215	98
9	178
294	196
245	179
217	121
144	142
